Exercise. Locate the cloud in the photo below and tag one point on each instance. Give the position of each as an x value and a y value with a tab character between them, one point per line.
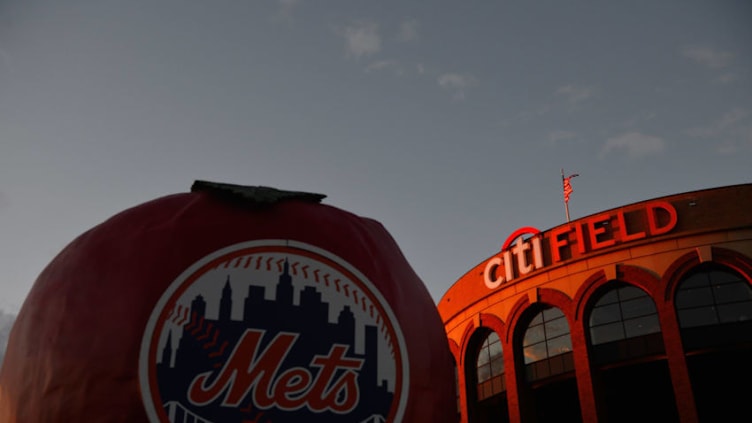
634	145
408	31
575	94
526	116
456	83
707	56
732	118
726	124
392	66
726	78
731	131
638	119
362	39
559	135
285	9
572	94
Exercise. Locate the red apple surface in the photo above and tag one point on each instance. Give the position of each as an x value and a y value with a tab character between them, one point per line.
229	304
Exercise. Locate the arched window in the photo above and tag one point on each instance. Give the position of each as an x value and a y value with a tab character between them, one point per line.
712	295
622	312
714	307
547	346
626	349
490	367
546	336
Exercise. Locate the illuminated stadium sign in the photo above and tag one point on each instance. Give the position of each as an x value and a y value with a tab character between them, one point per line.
520	256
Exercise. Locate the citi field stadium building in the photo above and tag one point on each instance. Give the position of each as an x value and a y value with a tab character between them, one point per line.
639	313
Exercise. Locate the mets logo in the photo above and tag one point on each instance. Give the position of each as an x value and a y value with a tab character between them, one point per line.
273	331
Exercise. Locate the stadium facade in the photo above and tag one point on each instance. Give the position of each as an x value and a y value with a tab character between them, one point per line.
638	313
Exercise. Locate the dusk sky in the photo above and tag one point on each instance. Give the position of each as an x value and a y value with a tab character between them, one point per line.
447	121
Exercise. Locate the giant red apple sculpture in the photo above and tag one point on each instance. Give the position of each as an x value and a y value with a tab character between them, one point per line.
229	304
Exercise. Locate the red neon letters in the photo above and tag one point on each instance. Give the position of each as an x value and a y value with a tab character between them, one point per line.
568	241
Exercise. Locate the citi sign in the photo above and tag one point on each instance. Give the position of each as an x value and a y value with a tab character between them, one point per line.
521	255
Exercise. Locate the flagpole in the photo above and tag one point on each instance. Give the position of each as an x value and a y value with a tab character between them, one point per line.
566	185
566	203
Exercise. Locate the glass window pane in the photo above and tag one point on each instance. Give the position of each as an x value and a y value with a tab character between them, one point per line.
497	367
537	320
642	326
556	327
697	317
490	353
491	338
628	292
608	298
605	314
606	333
721	277
535	352
552	313
637	307
698	280
484	373
533	335
559	345
737	291
727	299
498	384
735	312
487	390
483	357
494	350
695	297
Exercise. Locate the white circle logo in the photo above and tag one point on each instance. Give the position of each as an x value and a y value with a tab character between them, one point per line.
270	331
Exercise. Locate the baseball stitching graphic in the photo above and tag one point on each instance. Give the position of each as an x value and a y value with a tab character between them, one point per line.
313	339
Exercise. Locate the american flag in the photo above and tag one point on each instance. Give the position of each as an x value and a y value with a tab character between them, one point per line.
568	186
